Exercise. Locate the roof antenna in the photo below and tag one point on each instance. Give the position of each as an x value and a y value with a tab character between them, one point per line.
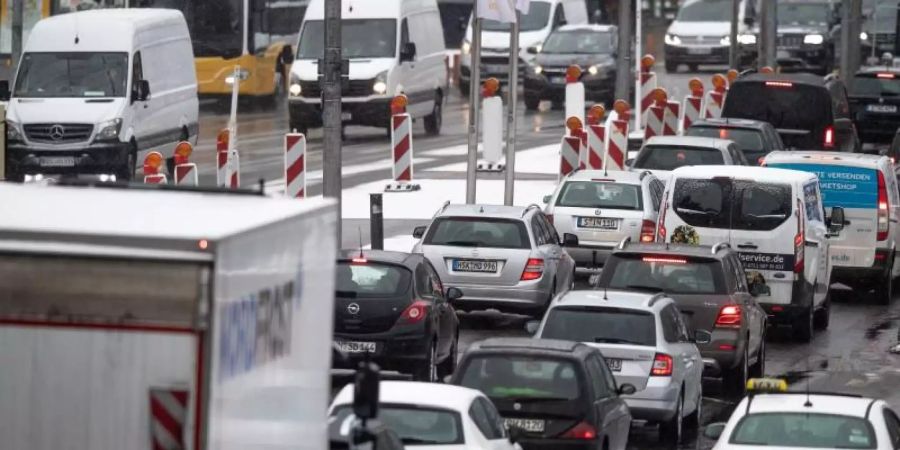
605	289
76	29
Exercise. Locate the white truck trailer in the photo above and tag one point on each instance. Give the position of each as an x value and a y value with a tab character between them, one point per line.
150	319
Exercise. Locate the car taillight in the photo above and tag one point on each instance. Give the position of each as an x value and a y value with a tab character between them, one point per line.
884	208
662	365
534	269
661	223
648	228
799	241
582	430
829	136
414	313
729	317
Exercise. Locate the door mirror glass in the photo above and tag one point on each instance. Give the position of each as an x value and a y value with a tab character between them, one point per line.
837	220
454	294
570	240
287	55
418	232
531	327
714	430
547	199
533	50
627	389
142	90
702	337
4	90
629	162
408	52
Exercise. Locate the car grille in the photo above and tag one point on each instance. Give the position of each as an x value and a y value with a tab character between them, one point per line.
58	133
355	88
884	39
701	40
790	40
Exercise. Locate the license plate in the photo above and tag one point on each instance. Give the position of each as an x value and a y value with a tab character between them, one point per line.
881	108
466	265
529	425
615	365
558	80
699	50
495	69
599	223
345	116
357	347
782	54
57	161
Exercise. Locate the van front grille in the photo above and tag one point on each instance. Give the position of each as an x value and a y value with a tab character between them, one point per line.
58	133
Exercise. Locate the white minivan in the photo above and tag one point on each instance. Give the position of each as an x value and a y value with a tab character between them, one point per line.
774	218
393	46
864	255
97	89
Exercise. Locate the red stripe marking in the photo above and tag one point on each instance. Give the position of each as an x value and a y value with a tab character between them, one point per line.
290	141
645	77
234	180
622	126
646	102
295	169
405	175
95	326
401	148
162	417
595	161
198	388
398	120
181	397
301	194
222	158
157	445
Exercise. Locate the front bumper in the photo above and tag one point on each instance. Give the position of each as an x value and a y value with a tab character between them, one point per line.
680	54
307	112
99	158
596	88
804	59
655	403
526	297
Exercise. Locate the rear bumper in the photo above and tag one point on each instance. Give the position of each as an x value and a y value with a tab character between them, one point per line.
562	444
655	403
722	353
525	297
684	55
91	159
784	311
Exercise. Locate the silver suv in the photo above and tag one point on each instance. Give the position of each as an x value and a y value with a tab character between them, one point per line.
602	208
646	343
507	258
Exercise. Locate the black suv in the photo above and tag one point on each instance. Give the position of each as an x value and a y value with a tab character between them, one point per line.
755	138
874	103
560	394
805	41
809	112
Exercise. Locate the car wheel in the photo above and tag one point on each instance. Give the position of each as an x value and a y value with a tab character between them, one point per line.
448	365
692	422
671	67
434	121
884	291
126	173
532	103
464	88
759	369
427	371
735	380
670	432
822	316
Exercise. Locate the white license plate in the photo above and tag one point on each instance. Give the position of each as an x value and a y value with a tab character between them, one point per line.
782	54
467	265
529	425
57	161
699	50
558	80
345	116
881	108
356	347
495	69
599	223
615	365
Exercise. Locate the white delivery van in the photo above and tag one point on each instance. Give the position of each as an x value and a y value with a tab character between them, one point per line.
864	255
543	17
96	90
701	32
774	218
146	319
394	47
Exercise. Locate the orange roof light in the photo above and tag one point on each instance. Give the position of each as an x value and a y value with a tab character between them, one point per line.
621	107
766	69
731	75
574	125
660	96
222	139
596	114
398	104
719	82
573	73
696	87
647	62
183	152
152	163
490	87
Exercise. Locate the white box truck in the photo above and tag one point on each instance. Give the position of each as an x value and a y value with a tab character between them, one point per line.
151	319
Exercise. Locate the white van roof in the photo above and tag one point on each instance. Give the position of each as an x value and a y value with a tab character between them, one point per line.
752	173
828	158
98	29
370	9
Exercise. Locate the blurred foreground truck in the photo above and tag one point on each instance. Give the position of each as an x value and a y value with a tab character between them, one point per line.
134	318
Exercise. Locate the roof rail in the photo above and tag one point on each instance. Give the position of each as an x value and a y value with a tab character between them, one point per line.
444	207
623	243
529	208
644	174
655	298
720	246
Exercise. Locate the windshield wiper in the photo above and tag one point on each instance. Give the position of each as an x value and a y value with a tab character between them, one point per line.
462	243
694	211
536	399
644	287
766	216
609	340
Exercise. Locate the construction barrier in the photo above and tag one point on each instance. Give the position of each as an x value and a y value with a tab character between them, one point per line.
491	128
295	165
574	93
401	147
648	85
152	164
569	155
654	126
596	141
617	144
234	169
715	99
222	157
693	104
670	119
185	172
168	417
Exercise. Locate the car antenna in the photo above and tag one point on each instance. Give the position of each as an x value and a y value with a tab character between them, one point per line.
605	289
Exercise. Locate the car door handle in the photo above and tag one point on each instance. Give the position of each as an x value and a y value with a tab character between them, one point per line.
748	246
813	244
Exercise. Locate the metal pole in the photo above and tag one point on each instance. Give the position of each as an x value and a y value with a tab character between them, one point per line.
853	39
376	221
511	107
846	29
623	71
638	53
232	118
331	108
474	107
17	19
733	57
768	32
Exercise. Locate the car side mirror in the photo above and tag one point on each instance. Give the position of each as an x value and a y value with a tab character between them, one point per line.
547	199
142	90
570	240
408	52
748	21
418	232
533	50
837	221
702	337
287	55
4	90
531	327
629	162
454	294
714	430
516	434
627	389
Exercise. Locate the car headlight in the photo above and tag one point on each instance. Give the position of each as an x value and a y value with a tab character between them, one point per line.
295	89
538	70
671	39
466	47
863	36
380	87
109	130
747	39
725	40
813	39
13	132
593	70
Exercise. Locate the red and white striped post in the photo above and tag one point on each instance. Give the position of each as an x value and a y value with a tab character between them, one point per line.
596	137
185	171
295	165
569	155
234	169
168	418
656	113
574	93
152	164
693	104
670	118
648	85
222	174
617	146
401	147
491	127
715	98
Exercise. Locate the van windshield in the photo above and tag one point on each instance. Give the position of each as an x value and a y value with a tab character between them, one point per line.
72	74
705	11
726	203
538	18
360	38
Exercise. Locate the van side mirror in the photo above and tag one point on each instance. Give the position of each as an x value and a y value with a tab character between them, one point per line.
714	430
531	327
702	337
454	294
366	383
533	50
408	52
627	389
749	21
287	55
570	240
141	91
4	90
418	232
837	220
547	198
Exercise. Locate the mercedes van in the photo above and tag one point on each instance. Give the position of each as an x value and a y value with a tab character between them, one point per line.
864	255
774	218
96	90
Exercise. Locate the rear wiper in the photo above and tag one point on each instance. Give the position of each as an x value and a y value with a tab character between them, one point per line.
643	287
463	243
345	294
609	340
694	211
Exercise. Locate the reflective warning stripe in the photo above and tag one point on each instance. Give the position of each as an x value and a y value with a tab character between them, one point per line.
168	411
295	165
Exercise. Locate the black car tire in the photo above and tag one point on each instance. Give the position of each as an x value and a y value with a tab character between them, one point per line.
692	421
427	369
125	173
448	365
434	121
671	67
532	103
735	380
803	326
822	316
672	430
759	368
884	290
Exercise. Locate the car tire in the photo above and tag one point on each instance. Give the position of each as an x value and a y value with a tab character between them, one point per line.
435	120
126	173
735	380
671	67
532	103
803	326
759	369
884	291
672	430
448	365
692	421
822	316
427	370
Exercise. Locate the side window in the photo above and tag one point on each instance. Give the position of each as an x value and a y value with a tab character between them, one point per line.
655	194
669	325
559	18
551	230
595	373
731	281
739	273
137	72
893	427
540	232
423	282
497	424
434	282
479	417
609	379
739	157
684	334
811	201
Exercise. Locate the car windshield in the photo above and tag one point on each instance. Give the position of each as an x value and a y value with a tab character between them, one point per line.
809	430
875	85
523	378
600	325
360	38
478	232
369	279
803	13
594	194
785	105
666	273
705	11
538	18
579	41
749	141
724	203
414	424
671	157
73	74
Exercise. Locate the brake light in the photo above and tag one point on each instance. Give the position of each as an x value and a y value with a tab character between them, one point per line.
829	136
660	259
582	430
662	365
729	317
358	260
886	75
648	228
534	269
661	223
799	240
414	313
779	84
723	133
883	209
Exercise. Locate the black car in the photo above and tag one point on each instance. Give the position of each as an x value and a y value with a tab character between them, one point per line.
591	47
810	112
805	41
755	138
560	394
874	102
392	308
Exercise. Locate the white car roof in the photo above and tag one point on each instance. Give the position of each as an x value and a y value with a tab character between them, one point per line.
689	141
439	395
611	298
619	176
793	402
828	158
588	27
753	173
95	27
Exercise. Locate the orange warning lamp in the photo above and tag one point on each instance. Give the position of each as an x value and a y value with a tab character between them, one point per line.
732	75
490	87
152	163
222	139
596	114
398	104
719	82
660	96
183	152
766	69
573	73
622	108
696	87
574	125
647	62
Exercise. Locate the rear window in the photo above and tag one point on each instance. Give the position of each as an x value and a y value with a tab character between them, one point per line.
666	157
523	377
671	274
803	430
749	141
723	203
871	85
415	425
600	325
847	187
606	195
371	280
785	105
478	232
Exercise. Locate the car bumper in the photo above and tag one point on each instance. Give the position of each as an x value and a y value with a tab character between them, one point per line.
655	403
374	112
595	88
554	444
90	159
857	276
393	351
523	298
794	59
688	54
